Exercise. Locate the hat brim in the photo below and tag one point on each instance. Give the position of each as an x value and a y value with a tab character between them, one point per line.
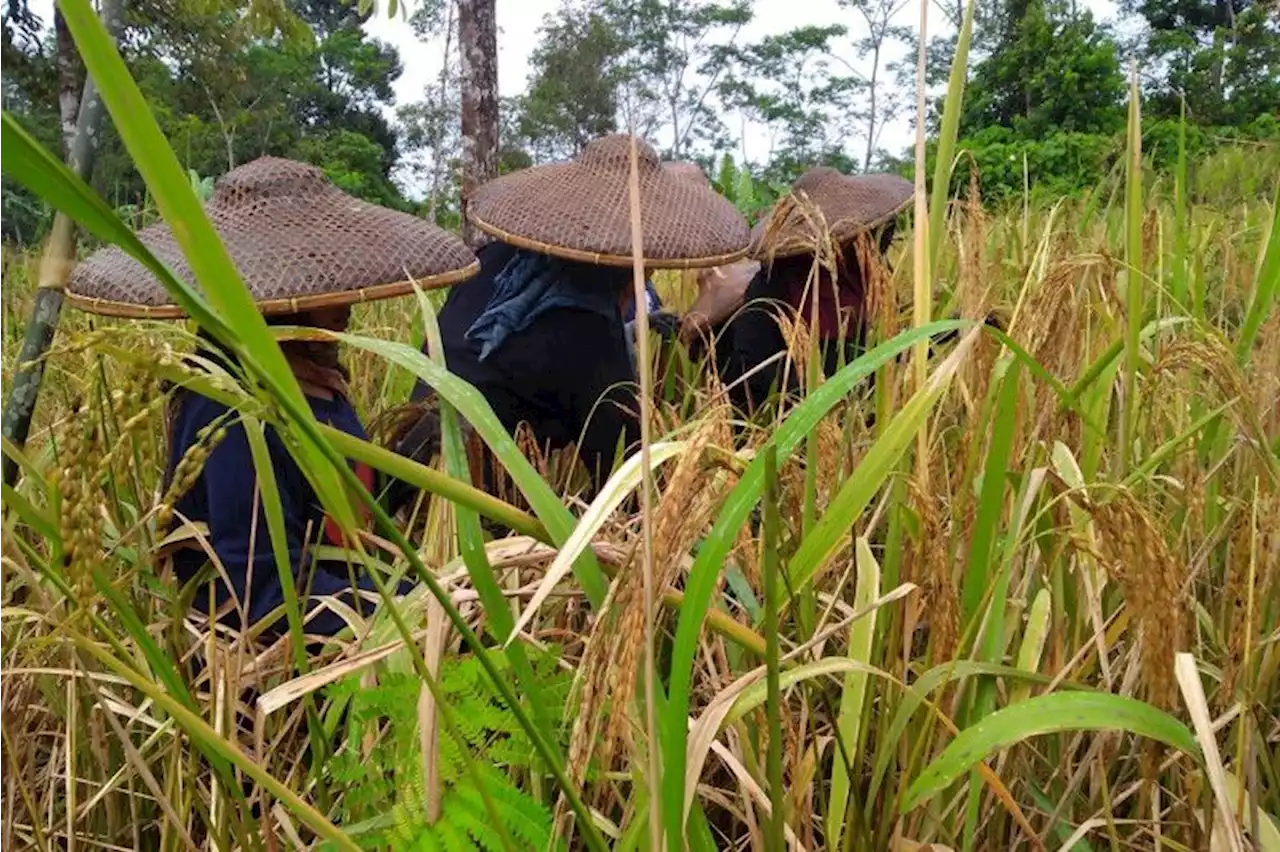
603	258
290	305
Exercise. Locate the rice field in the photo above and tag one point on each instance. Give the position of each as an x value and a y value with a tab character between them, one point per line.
1014	591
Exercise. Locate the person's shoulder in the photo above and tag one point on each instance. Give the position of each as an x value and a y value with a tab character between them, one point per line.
197	409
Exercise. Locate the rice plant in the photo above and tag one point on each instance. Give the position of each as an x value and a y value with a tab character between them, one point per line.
1017	590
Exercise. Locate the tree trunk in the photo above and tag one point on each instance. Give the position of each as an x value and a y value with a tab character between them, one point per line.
59	254
478	53
70	80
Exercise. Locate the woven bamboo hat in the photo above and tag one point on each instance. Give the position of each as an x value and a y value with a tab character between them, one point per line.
299	242
850	205
688	171
581	210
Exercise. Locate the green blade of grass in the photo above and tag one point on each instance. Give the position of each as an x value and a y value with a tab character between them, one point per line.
1181	219
269	496
212	266
977	575
471	536
944	155
853	694
714	550
1033	639
469	402
773	704
1046	714
1265	285
913	698
856	493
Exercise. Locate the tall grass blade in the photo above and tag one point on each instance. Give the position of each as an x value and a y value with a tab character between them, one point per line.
854	692
818	548
944	155
714	550
1182	222
773	704
220	281
921	273
471	542
991	502
1265	286
1046	714
1033	639
1134	302
468	401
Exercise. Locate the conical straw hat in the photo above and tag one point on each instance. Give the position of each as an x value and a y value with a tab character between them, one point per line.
299	242
850	205
688	171
581	210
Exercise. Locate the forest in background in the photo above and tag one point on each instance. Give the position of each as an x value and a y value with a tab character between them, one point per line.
231	80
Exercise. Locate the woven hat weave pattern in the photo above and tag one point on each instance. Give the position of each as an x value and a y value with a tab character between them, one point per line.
298	241
581	210
850	205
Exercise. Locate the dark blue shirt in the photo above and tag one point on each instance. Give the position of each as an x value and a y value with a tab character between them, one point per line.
223	497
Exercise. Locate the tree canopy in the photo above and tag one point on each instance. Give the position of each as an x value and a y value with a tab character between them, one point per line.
231	80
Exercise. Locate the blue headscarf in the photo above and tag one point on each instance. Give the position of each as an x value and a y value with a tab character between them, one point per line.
651	299
533	283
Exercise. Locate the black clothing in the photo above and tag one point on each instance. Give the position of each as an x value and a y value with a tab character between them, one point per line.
567	372
753	336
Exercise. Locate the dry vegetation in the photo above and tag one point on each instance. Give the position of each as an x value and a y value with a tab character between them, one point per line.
1030	603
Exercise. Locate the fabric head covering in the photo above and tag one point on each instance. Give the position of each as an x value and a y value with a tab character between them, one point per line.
533	283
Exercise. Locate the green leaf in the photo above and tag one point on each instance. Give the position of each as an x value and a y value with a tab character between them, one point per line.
472	405
1046	714
829	534
471	536
194	233
704	574
853	696
947	138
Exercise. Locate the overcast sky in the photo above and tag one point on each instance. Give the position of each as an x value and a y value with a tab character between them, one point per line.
519	21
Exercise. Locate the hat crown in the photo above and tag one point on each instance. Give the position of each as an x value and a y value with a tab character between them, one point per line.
816	177
269	177
614	152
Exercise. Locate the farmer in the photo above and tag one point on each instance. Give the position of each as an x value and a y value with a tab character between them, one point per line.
825	214
307	252
540	331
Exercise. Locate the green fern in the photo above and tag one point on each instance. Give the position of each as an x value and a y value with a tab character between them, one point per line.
383	804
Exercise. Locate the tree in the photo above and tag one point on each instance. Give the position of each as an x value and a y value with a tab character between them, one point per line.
1052	69
478	47
430	129
677	52
573	87
1223	56
785	82
884	103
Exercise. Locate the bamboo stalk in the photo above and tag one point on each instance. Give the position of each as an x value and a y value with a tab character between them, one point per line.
55	267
